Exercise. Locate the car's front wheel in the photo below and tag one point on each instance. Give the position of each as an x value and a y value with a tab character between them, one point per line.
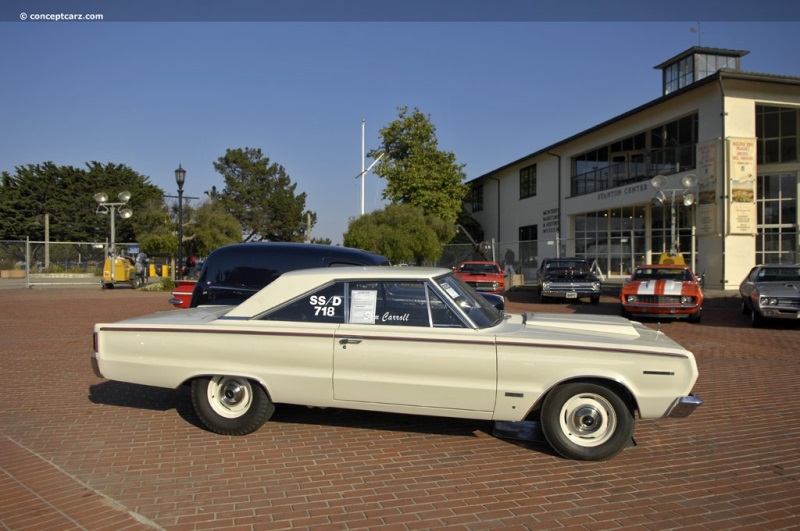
231	405
756	319
586	421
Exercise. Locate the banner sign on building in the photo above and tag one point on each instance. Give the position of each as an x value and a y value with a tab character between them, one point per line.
707	171
742	185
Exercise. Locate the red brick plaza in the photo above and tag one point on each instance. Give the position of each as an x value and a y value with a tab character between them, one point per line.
78	452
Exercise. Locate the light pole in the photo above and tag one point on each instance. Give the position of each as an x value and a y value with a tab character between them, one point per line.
685	194
180	178
110	209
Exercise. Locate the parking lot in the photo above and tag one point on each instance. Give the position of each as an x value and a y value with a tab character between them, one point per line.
78	452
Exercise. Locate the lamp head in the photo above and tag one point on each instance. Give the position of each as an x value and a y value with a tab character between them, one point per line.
688	200
125	213
101	197
659	181
124	196
180	176
689	180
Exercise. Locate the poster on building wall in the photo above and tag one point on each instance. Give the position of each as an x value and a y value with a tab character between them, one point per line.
742	185
707	171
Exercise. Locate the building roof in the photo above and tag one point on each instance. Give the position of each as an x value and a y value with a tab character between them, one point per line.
722	74
700	49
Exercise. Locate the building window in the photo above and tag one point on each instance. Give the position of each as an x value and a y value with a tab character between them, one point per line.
476	198
663	150
527	182
777	237
708	64
679	75
776	130
612	240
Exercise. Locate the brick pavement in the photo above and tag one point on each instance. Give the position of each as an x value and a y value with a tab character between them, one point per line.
77	452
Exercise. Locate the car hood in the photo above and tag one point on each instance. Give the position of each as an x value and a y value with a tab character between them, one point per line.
659	287
791	288
586	331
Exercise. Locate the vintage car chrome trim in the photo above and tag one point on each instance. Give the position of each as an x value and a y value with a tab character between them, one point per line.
683	406
96	366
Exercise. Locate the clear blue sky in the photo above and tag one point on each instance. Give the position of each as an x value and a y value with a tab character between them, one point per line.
156	94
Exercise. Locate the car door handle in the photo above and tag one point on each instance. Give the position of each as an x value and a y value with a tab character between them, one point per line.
349	341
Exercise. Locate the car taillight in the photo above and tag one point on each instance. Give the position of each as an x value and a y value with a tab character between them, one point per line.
94	342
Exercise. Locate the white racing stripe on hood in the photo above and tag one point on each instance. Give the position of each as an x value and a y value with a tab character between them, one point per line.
672	287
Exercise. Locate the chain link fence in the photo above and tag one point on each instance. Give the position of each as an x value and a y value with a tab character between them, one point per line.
41	263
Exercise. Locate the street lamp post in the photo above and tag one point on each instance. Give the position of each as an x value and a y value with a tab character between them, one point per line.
111	209
180	178
664	195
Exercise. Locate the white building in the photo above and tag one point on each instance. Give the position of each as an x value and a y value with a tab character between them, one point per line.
725	142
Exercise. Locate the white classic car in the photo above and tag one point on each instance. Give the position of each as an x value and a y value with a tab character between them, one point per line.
405	340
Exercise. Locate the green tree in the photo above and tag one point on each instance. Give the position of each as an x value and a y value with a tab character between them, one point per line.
402	233
214	228
66	195
261	196
417	172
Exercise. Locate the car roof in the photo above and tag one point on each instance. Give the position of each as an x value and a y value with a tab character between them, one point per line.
295	283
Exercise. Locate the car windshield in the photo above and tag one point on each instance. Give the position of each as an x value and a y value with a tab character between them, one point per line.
478	309
478	268
779	274
578	267
662	274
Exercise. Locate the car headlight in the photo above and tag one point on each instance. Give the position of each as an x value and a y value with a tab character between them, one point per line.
495	286
631	298
767	301
687	300
546	284
596	286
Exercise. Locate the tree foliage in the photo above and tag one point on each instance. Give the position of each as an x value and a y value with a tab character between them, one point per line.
66	194
261	196
402	233
417	172
214	227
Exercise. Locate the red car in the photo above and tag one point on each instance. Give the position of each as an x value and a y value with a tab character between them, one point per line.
485	277
182	294
663	291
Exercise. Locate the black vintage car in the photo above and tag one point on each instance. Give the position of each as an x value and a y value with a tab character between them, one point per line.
567	278
234	272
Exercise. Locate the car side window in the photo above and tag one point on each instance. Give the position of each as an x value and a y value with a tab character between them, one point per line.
325	305
401	303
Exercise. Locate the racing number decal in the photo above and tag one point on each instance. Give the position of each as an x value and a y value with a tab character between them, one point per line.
325	306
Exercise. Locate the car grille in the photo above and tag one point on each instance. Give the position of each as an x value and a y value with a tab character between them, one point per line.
569	286
484	286
660	299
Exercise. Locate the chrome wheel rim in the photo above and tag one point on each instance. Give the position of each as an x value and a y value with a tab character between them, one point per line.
588	420
229	397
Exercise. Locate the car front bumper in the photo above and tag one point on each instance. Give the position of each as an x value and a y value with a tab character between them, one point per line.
683	406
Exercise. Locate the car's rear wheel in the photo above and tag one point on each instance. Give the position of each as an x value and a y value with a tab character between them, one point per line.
231	405
586	421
